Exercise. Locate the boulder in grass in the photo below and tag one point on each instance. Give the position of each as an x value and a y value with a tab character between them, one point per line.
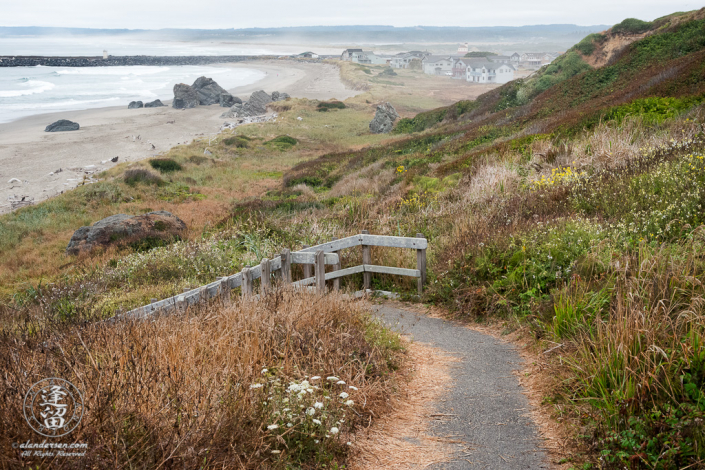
185	97
276	96
123	228
383	121
154	104
62	125
208	91
135	105
227	100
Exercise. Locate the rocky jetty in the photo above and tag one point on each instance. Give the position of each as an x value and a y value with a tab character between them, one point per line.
135	105
185	96
115	61
383	121
154	104
123	228
208	91
62	125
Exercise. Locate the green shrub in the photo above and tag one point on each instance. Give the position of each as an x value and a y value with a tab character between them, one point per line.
140	175
388	72
425	120
239	141
282	142
632	26
328	105
165	165
480	54
587	45
653	110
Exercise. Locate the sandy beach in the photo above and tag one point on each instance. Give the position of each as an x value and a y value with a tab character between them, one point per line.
34	157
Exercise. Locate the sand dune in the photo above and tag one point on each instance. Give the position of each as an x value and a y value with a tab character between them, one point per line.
31	155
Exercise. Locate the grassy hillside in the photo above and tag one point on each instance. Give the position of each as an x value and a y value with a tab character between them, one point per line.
568	204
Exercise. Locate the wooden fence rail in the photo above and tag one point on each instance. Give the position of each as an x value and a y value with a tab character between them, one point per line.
310	256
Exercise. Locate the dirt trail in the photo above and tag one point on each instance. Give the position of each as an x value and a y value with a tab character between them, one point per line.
484	412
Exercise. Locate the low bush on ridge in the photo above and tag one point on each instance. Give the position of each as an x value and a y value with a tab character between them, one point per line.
274	383
165	165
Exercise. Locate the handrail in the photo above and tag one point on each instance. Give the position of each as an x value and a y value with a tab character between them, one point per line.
319	256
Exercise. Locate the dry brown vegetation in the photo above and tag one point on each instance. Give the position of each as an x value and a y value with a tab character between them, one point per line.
175	392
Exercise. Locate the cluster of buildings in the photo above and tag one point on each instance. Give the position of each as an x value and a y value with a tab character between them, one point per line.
490	69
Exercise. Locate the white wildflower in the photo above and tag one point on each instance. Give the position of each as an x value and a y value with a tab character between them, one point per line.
264	371
352	388
343	395
317	421
276	451
272	427
340	382
255	386
349	403
316	377
332	378
334	430
311	411
318	405
288	425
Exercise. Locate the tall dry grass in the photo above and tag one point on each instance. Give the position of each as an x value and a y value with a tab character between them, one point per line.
174	391
654	333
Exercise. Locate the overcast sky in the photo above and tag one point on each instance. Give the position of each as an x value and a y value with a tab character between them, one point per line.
156	14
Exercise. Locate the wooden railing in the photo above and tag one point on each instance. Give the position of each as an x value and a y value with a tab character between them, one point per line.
316	257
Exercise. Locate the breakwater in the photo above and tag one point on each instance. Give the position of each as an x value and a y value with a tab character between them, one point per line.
31	61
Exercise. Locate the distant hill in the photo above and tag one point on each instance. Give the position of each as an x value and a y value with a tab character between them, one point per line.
560	35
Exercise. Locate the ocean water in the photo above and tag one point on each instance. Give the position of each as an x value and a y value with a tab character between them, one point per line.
26	91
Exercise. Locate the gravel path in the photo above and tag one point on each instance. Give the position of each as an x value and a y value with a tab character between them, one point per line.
485	408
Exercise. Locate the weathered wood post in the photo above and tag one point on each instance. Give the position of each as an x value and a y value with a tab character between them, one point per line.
320	268
336	266
225	291
421	265
203	294
366	259
286	266
266	280
307	268
246	281
151	304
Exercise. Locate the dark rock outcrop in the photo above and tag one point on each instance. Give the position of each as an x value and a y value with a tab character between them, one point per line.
135	105
383	121
233	112
154	104
62	125
123	228
256	105
227	100
276	96
208	91
185	97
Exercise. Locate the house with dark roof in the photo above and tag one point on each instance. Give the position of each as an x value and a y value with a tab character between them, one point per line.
404	59
439	65
486	71
347	54
308	55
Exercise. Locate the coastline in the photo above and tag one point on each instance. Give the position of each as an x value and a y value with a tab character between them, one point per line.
32	155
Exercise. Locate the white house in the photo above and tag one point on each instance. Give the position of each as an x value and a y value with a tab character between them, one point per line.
438	65
463	48
347	54
404	59
485	71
